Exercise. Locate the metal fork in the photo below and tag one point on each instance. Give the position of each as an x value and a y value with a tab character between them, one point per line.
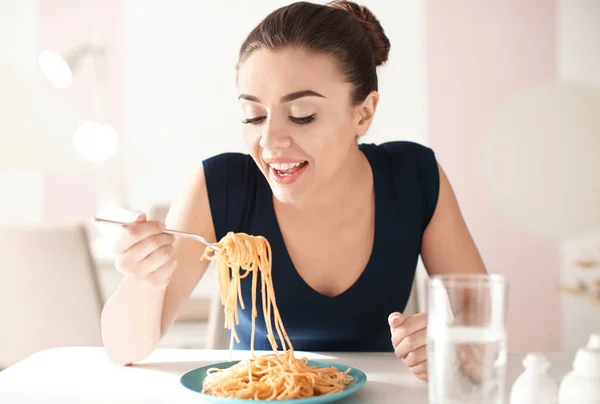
192	236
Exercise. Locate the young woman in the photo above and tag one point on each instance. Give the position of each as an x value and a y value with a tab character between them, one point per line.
346	221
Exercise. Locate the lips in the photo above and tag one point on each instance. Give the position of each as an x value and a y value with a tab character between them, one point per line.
286	171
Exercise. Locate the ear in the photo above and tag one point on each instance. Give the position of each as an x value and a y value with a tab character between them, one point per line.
365	113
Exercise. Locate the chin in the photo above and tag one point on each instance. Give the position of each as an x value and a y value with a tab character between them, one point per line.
288	196
292	189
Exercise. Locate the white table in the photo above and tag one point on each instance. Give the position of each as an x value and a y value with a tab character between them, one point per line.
84	375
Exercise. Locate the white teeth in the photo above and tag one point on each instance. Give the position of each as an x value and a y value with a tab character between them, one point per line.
284	166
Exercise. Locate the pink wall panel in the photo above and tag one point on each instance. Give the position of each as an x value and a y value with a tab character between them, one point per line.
479	54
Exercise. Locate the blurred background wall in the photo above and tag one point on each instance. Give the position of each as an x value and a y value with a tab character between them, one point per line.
160	78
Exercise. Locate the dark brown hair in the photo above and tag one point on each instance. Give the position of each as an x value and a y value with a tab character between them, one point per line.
343	29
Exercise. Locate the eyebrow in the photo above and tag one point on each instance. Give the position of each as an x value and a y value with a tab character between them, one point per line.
286	98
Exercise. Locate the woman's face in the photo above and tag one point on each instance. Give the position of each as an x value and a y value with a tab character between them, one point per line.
299	122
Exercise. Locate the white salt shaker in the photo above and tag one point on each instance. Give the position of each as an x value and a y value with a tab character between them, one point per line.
582	385
594	341
534	385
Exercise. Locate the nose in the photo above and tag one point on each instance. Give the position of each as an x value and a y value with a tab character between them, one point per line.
274	137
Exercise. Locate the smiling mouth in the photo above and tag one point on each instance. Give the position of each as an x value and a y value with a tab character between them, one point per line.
287	169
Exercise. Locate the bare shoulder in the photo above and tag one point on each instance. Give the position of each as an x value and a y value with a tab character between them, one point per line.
190	212
447	245
190	209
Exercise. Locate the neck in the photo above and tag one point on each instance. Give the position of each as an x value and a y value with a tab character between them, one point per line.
343	188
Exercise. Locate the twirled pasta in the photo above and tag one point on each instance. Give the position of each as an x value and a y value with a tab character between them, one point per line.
276	376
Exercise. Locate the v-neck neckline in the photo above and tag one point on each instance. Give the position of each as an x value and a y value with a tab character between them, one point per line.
278	234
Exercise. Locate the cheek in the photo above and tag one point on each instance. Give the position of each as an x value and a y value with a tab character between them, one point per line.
335	143
335	137
251	139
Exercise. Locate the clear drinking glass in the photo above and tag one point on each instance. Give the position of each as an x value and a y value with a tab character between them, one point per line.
466	339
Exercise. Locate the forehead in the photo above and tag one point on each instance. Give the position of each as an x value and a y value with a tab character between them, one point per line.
269	74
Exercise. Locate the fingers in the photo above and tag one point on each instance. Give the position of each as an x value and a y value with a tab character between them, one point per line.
396	320
409	339
137	232
409	326
415	357
141	217
423	376
162	276
420	369
144	252
147	255
408	345
156	259
151	250
472	359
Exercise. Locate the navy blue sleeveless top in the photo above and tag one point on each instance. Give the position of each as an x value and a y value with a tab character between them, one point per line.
406	184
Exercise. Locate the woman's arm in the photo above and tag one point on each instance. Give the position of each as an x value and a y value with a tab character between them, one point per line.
447	246
136	317
190	212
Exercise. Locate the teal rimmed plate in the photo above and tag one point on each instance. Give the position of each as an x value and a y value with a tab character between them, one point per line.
194	378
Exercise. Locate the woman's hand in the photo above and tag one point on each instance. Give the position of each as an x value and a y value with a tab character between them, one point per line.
409	338
145	253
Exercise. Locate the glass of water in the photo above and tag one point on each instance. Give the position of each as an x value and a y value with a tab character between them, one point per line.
466	339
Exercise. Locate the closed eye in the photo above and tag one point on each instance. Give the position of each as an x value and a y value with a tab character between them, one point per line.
299	120
254	121
303	120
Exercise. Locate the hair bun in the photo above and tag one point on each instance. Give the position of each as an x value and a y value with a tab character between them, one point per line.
372	27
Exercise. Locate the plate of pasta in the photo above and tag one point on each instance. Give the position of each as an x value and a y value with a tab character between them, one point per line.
235	387
279	375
